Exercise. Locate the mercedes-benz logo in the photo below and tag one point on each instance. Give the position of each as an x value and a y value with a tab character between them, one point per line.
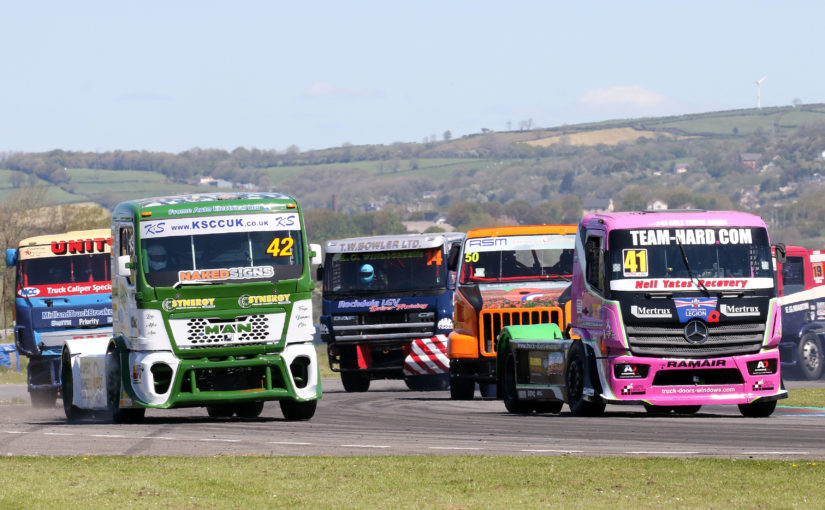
696	331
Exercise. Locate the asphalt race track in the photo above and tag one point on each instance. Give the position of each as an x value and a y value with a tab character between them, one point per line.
389	419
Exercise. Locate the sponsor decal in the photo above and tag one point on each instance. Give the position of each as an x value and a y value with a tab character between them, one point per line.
445	323
761	385
697	363
233	273
170	304
28	292
706	389
649	312
247	301
693	308
381	305
323	329
553	364
796	308
691	236
738	311
488	242
96	245
630	390
74	317
762	367
137	373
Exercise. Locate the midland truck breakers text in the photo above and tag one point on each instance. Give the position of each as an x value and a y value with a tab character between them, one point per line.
506	275
217	316
381	294
672	310
63	290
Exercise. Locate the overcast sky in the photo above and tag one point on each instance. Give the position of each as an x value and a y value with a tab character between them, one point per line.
172	75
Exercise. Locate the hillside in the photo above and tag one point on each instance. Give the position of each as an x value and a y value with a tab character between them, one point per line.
541	174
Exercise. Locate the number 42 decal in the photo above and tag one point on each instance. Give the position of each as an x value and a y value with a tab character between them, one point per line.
281	247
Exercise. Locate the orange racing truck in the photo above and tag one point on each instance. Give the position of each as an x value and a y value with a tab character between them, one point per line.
506	276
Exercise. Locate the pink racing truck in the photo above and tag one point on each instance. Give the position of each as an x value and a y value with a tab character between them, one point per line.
671	310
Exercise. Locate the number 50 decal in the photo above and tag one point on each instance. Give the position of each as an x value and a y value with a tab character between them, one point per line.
281	247
635	262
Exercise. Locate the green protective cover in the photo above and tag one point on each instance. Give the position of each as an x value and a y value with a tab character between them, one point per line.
534	332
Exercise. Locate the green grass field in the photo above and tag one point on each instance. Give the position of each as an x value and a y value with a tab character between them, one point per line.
444	482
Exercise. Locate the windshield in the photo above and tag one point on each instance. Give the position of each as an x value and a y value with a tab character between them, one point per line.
731	255
222	249
56	272
402	270
517	258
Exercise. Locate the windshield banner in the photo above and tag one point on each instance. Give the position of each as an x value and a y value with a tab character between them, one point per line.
671	284
219	225
65	289
545	242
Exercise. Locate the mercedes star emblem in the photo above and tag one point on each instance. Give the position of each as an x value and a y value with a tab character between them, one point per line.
696	331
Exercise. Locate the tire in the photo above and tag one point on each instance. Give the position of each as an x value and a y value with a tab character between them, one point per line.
574	378
758	409
462	389
73	413
113	389
43	397
220	410
249	409
810	357
429	382
553	407
297	411
354	382
509	392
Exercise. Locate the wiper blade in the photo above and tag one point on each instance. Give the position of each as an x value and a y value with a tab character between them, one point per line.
193	283
690	273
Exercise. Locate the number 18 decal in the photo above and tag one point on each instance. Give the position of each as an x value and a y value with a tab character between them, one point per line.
281	247
635	262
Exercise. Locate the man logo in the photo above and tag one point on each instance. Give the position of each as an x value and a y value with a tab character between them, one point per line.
696	332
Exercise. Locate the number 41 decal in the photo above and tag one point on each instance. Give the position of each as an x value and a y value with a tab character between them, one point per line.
635	262
281	247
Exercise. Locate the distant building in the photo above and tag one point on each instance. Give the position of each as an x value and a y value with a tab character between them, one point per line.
596	205
750	160
656	205
680	168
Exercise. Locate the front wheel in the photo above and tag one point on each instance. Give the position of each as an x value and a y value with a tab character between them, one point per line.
428	382
73	413
355	382
810	358
758	409
508	388
249	409
461	388
575	378
113	390
296	411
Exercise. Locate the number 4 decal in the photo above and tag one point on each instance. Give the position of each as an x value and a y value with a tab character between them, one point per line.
281	247
635	262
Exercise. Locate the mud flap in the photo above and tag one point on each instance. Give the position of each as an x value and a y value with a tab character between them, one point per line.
88	362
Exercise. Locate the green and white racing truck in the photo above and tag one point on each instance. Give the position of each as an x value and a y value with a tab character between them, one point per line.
211	307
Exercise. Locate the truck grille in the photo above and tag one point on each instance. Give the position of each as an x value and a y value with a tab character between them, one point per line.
668	340
205	332
491	322
393	326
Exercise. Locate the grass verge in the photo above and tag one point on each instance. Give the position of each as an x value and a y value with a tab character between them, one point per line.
408	482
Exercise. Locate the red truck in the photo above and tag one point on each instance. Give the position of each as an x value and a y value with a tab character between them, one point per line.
801	287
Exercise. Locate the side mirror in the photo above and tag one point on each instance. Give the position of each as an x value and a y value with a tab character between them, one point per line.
124	266
779	250
315	254
452	258
11	257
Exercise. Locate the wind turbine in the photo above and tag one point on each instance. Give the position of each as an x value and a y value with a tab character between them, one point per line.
759	91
